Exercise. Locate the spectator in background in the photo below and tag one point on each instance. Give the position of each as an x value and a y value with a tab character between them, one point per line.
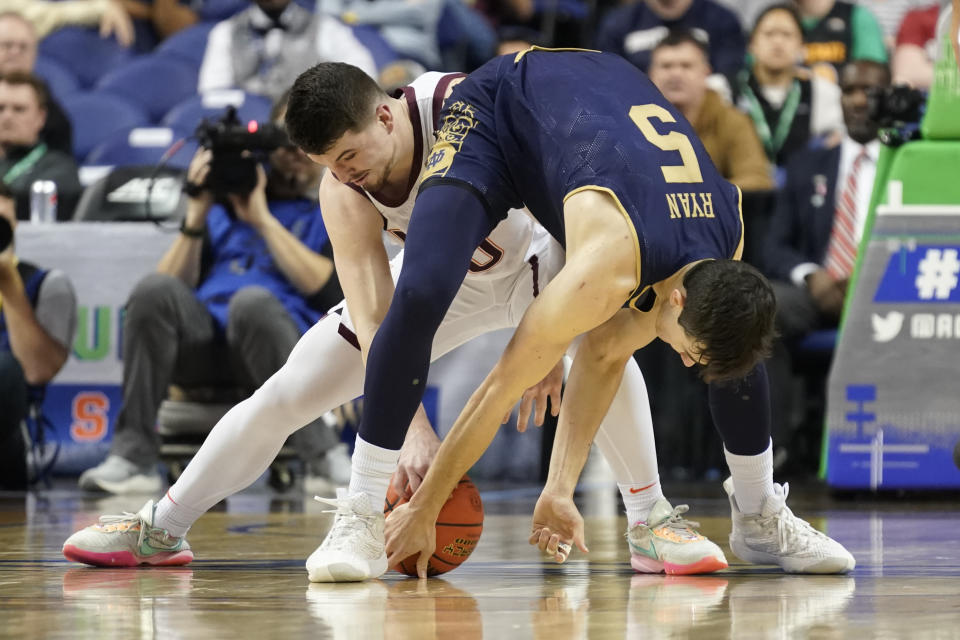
835	32
816	227
748	10
264	48
230	299
18	53
679	67
409	26
26	157
38	318
788	106
48	15
633	31
916	48
890	14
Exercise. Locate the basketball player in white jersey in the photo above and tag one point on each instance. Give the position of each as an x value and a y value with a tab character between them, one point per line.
326	369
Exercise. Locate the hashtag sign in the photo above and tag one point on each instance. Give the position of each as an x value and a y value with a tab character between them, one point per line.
937	275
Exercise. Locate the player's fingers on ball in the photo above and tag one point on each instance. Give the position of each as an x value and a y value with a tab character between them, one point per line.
413	482
422	564
555	402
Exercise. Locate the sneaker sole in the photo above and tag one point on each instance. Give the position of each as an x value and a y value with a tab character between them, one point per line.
823	566
707	564
346	572
126	558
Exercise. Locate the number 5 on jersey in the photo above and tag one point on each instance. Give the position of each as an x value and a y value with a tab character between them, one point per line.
687	172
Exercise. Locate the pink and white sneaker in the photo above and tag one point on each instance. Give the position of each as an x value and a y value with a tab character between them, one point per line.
668	543
127	541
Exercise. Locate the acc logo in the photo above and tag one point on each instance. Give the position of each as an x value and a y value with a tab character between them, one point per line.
886	328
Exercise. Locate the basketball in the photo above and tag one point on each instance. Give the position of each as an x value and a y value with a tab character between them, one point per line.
458	529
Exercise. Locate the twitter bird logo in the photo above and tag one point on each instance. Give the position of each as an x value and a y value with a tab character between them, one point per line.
886	328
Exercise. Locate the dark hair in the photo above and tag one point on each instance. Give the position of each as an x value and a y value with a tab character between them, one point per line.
729	311
679	37
326	101
789	7
18	78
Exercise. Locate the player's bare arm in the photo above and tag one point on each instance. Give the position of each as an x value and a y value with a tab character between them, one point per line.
594	379
599	274
355	229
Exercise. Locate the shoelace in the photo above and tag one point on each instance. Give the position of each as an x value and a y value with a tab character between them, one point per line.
126	517
347	522
790	529
675	521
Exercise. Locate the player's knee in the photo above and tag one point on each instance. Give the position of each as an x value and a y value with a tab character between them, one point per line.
154	295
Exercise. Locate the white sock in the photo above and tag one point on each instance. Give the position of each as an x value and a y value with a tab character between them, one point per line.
752	478
371	469
175	518
639	500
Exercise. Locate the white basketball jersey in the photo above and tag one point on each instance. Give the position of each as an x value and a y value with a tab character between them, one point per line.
504	250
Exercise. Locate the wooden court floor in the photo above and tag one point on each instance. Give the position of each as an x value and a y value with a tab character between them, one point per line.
248	579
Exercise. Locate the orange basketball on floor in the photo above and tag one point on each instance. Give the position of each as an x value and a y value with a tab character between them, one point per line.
458	529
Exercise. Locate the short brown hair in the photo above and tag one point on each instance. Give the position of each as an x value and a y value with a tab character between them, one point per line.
729	311
680	37
19	78
326	101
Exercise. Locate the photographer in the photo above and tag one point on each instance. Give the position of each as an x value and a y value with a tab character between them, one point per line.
241	283
38	317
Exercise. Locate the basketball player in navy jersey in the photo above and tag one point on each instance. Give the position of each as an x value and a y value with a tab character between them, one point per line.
653	238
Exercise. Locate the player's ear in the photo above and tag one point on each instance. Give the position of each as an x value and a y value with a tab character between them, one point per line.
385	117
678	298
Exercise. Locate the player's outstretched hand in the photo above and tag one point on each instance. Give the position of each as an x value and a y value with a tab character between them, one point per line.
549	387
407	533
557	525
417	453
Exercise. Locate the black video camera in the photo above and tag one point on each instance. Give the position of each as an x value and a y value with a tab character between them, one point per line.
236	149
897	110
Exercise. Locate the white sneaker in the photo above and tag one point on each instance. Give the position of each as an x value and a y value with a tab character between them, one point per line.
127	541
668	543
776	536
350	610
354	549
120	476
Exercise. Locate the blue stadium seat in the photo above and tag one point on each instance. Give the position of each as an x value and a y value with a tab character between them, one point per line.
85	53
188	44
142	146
61	81
212	104
96	117
156	83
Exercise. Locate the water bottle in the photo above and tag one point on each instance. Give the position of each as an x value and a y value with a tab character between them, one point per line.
43	202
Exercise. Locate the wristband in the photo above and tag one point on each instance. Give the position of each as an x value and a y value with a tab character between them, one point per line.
191	232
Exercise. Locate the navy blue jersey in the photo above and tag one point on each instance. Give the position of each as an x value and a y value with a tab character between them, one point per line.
533	129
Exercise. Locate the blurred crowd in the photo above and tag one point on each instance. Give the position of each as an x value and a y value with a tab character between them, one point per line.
778	93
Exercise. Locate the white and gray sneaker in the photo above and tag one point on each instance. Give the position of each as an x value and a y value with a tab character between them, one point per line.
120	476
776	536
354	549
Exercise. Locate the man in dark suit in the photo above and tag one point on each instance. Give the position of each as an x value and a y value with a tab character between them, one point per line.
816	228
